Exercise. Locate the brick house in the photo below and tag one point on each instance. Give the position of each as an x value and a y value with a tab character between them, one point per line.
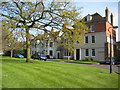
98	39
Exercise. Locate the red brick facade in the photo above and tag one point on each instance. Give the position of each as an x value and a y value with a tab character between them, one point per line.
99	27
104	24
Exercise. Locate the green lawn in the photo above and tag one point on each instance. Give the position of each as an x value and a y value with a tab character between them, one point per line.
77	61
45	74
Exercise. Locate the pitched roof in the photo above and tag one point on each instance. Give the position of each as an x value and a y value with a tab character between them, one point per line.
95	18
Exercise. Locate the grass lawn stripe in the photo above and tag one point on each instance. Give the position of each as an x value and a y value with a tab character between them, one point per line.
53	76
19	79
58	75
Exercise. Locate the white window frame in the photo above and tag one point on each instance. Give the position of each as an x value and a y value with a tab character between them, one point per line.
85	53
94	38
85	39
92	53
91	28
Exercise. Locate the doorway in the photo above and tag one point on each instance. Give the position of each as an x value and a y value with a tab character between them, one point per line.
58	54
77	54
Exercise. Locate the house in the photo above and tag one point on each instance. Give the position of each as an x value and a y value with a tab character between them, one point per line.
98	40
45	45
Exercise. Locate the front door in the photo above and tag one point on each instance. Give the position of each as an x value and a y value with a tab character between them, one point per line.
58	55
77	54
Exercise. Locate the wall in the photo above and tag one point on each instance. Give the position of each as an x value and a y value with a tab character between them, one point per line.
99	46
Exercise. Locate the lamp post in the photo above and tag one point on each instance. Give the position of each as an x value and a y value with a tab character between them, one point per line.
110	51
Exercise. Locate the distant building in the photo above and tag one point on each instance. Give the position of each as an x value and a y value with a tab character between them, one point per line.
46	46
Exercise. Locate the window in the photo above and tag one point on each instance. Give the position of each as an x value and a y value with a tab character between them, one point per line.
46	52
64	52
46	43
43	52
86	39
93	39
42	45
67	53
51	44
51	53
86	52
93	52
92	28
89	17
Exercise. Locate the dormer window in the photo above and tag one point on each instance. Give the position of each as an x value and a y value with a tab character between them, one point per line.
89	17
92	28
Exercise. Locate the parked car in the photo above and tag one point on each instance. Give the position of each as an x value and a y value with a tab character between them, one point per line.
19	56
43	57
108	62
39	56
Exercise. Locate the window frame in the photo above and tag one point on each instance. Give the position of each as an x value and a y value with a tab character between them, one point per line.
92	28
85	53
85	39
50	53
92	52
92	39
51	45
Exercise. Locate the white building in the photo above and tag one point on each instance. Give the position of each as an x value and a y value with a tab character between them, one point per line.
97	41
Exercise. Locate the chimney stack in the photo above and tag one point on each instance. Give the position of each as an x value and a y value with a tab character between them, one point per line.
107	14
111	17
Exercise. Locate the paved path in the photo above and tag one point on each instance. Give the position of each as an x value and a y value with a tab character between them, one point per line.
107	67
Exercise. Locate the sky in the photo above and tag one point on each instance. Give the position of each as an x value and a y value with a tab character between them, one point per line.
93	6
99	7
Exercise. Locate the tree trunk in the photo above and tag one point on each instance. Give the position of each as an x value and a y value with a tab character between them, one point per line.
28	44
11	53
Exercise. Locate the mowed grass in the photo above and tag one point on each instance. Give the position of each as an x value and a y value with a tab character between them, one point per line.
76	61
46	74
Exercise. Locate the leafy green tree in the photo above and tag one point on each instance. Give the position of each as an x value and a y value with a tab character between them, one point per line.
9	39
42	15
72	36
